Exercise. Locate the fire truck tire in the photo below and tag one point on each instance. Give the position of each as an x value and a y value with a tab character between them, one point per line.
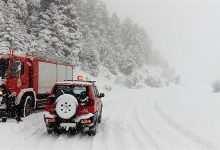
4	119
27	105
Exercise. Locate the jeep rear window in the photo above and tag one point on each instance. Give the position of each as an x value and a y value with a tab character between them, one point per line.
70	89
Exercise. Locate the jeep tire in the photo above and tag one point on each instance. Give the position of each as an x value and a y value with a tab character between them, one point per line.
100	117
93	130
49	130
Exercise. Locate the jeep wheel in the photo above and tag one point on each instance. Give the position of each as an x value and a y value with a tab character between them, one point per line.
93	131
49	130
100	117
72	131
57	131
28	105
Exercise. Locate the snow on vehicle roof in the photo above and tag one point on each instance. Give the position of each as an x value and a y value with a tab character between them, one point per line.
76	82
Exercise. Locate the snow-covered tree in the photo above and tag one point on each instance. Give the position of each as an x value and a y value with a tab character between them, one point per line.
89	55
12	25
82	30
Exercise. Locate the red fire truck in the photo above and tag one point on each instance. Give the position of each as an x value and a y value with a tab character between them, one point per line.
30	76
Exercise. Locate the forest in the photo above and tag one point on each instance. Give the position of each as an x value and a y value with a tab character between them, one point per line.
82	30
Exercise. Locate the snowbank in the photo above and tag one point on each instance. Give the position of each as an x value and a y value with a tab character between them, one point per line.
193	111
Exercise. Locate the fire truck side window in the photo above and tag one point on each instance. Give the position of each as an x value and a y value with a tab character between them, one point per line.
17	69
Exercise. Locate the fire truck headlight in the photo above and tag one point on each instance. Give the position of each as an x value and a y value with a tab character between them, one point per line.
14	93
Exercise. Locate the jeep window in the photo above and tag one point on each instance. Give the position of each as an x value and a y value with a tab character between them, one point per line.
76	91
17	69
95	91
79	89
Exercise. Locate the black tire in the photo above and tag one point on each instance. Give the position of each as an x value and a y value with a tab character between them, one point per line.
4	119
57	131
72	131
100	117
28	105
49	130
93	131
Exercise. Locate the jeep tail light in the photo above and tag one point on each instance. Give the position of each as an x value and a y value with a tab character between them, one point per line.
86	121
50	104
50	109
49	120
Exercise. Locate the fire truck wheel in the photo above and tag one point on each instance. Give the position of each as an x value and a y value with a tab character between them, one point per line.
28	105
4	119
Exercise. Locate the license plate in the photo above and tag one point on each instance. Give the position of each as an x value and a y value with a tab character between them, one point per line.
72	125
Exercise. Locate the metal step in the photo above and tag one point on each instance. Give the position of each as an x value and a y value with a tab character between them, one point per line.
41	104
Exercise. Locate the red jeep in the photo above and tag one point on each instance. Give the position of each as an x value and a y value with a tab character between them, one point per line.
74	106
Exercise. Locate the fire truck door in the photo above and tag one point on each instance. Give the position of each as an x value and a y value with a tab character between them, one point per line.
19	76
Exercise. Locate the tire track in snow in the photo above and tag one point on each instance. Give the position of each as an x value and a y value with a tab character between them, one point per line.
167	137
129	131
146	132
101	136
113	125
202	143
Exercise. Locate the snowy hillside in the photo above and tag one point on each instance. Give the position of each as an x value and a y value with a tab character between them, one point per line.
178	117
81	30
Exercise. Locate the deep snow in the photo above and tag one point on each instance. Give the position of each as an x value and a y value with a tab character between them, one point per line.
175	117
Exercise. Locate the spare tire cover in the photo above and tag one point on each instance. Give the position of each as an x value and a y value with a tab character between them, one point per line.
66	106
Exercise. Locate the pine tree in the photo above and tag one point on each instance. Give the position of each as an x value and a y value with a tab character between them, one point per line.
13	29
89	55
55	29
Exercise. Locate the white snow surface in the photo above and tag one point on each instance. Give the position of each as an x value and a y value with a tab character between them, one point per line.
171	118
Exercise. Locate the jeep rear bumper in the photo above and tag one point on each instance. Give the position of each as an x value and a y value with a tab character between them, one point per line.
81	123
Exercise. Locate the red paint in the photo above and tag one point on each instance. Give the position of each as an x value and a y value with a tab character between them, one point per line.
94	105
31	71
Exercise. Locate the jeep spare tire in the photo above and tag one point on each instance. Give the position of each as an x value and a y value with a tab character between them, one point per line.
66	106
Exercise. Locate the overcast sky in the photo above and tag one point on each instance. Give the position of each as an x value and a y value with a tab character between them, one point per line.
187	33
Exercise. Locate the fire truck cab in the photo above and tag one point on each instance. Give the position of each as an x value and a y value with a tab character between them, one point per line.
30	76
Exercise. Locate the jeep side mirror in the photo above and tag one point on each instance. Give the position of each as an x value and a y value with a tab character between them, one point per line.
101	95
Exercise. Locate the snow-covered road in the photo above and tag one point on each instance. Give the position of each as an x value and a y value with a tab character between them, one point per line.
167	118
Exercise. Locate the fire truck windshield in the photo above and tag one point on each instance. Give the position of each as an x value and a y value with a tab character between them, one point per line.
4	65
